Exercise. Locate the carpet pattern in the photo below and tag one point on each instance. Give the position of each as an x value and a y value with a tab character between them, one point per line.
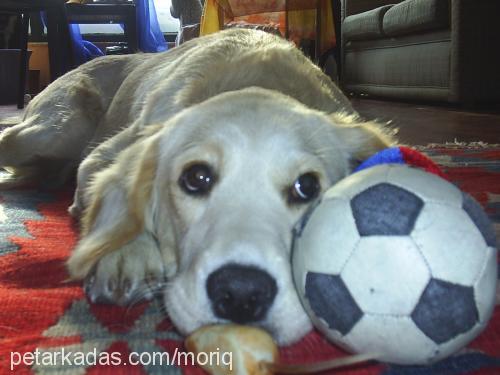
43	318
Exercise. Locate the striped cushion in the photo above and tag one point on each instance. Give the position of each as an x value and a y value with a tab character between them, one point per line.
366	25
415	16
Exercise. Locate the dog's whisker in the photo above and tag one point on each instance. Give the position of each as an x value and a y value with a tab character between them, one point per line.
136	300
146	291
314	134
324	151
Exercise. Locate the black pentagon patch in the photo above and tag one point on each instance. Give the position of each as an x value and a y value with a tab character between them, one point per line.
445	310
330	300
385	209
479	217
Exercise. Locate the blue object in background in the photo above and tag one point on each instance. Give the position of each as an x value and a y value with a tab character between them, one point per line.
83	50
150	36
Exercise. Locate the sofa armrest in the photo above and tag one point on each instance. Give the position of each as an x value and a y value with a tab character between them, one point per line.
350	7
475	56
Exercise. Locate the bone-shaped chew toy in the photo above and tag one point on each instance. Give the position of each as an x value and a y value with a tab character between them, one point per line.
252	351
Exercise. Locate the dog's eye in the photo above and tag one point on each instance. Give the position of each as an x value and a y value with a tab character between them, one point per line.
304	189
197	179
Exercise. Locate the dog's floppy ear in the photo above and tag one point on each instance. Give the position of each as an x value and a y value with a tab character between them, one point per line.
361	139
119	199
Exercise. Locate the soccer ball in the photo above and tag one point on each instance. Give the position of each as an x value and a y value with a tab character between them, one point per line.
397	262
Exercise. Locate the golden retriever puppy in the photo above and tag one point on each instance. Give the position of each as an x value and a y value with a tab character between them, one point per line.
193	167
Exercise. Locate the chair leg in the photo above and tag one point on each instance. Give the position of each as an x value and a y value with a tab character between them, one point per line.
23	64
68	53
54	44
130	31
60	48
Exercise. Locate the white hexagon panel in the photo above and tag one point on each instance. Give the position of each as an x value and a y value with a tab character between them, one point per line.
386	275
450	242
358	182
429	187
397	339
331	232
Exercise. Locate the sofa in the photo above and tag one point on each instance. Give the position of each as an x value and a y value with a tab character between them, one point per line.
422	50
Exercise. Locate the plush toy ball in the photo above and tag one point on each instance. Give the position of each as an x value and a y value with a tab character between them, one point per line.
397	262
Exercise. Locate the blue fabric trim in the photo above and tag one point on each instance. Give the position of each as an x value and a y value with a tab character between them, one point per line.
391	155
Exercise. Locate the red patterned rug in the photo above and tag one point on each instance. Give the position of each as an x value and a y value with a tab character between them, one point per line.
42	318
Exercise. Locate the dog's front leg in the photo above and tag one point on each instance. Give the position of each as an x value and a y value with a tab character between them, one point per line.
95	160
129	274
118	255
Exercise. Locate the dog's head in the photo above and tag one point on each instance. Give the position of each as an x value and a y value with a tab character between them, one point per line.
221	186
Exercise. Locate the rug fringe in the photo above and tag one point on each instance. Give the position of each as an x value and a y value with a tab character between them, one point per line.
457	144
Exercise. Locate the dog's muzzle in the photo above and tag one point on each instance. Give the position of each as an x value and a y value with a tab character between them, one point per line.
241	294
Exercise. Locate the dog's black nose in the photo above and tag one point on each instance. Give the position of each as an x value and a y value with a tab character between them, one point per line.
241	294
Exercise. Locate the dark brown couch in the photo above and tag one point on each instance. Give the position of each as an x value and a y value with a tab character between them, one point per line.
432	50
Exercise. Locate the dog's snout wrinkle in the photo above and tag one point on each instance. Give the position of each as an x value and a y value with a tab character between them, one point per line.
241	294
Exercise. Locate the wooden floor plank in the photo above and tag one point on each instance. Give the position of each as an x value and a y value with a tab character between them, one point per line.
423	124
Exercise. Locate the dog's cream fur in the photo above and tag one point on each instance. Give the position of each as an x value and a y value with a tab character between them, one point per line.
246	103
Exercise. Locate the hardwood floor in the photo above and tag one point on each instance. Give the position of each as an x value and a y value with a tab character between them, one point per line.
418	124
423	124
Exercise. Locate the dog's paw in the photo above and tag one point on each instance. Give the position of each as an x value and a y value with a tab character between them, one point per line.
132	273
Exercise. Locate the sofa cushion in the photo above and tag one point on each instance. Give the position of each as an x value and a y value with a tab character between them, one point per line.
366	25
415	16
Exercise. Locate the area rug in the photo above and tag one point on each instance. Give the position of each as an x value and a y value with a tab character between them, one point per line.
43	318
